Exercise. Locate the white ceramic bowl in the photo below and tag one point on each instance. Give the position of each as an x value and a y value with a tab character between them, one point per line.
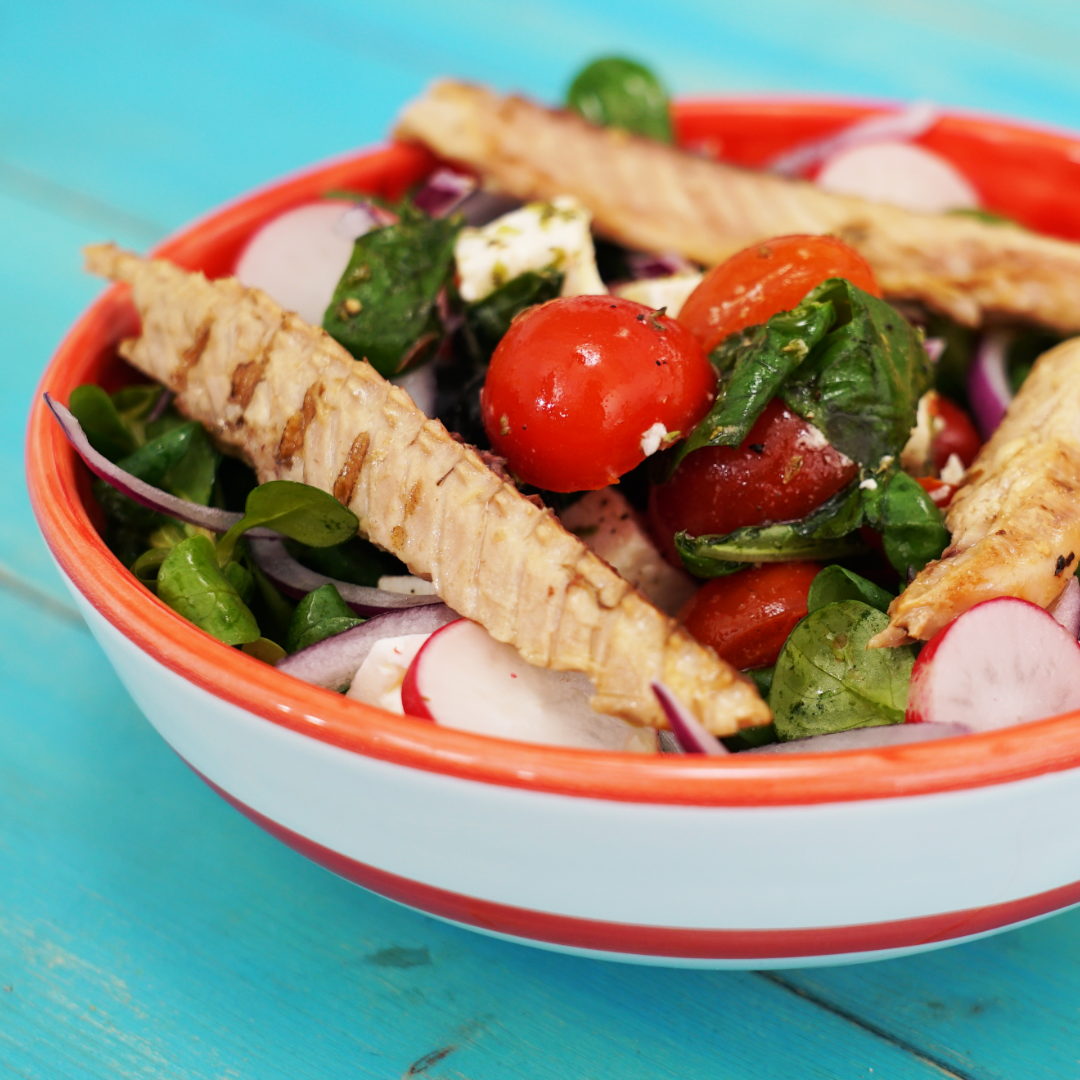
746	861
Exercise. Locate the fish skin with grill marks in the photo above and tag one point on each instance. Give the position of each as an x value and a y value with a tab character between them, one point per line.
654	197
295	405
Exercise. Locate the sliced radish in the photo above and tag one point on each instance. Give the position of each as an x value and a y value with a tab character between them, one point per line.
1002	662
869	738
1066	608
898	173
299	257
463	678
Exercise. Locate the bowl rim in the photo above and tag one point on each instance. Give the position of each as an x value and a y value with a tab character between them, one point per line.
59	484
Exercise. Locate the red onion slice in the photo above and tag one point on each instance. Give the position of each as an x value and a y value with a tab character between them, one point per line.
643	265
988	382
1066	608
688	730
140	491
871	738
443	192
333	662
296	580
908	123
935	348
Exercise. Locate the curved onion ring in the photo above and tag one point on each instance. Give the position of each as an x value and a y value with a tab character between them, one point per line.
988	382
207	517
688	730
333	662
296	580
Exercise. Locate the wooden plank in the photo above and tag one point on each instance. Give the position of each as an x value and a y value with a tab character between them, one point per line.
146	929
1002	1008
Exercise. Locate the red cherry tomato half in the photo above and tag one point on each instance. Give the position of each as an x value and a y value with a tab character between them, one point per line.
756	283
940	492
747	617
783	470
956	436
581	389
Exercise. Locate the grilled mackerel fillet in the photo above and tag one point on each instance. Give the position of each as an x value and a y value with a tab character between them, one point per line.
654	197
1015	522
295	405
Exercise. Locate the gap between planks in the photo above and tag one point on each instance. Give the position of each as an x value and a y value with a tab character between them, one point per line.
853	1018
11	582
40	191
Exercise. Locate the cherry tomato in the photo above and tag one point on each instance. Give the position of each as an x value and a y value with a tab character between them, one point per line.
957	434
782	471
756	283
747	616
940	492
582	389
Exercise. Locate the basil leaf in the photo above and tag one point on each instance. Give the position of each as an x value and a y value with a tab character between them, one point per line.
753	365
192	584
913	526
615	92
319	615
272	610
826	533
827	680
384	307
488	320
240	578
100	419
861	385
834	584
302	512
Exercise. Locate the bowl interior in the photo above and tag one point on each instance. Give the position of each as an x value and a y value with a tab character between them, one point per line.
1027	174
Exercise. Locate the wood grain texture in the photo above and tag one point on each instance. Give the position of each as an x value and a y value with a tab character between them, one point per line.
146	929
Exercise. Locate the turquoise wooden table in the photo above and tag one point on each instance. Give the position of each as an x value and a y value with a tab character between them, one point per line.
146	929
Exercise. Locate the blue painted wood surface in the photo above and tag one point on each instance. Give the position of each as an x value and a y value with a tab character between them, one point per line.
145	928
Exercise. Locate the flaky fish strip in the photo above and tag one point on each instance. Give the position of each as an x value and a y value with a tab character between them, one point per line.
297	406
657	198
1015	522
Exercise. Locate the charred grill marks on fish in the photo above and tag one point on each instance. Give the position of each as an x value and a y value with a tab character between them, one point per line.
295	405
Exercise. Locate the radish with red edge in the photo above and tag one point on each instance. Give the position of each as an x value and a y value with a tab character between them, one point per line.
1003	662
463	678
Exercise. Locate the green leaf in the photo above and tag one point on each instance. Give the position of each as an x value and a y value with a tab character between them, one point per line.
135	404
192	477
913	526
300	511
102	423
357	561
616	92
147	565
319	615
827	680
151	463
861	385
241	579
273	611
488	320
192	584
269	652
384	307
826	533
753	365
835	583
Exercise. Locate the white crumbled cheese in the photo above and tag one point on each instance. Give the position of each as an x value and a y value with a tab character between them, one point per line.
953	471
610	528
916	455
652	439
407	584
535	237
869	484
661	292
378	682
814	439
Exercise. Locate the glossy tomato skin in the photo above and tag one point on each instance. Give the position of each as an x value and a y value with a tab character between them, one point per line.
575	385
783	470
747	617
756	283
958	436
